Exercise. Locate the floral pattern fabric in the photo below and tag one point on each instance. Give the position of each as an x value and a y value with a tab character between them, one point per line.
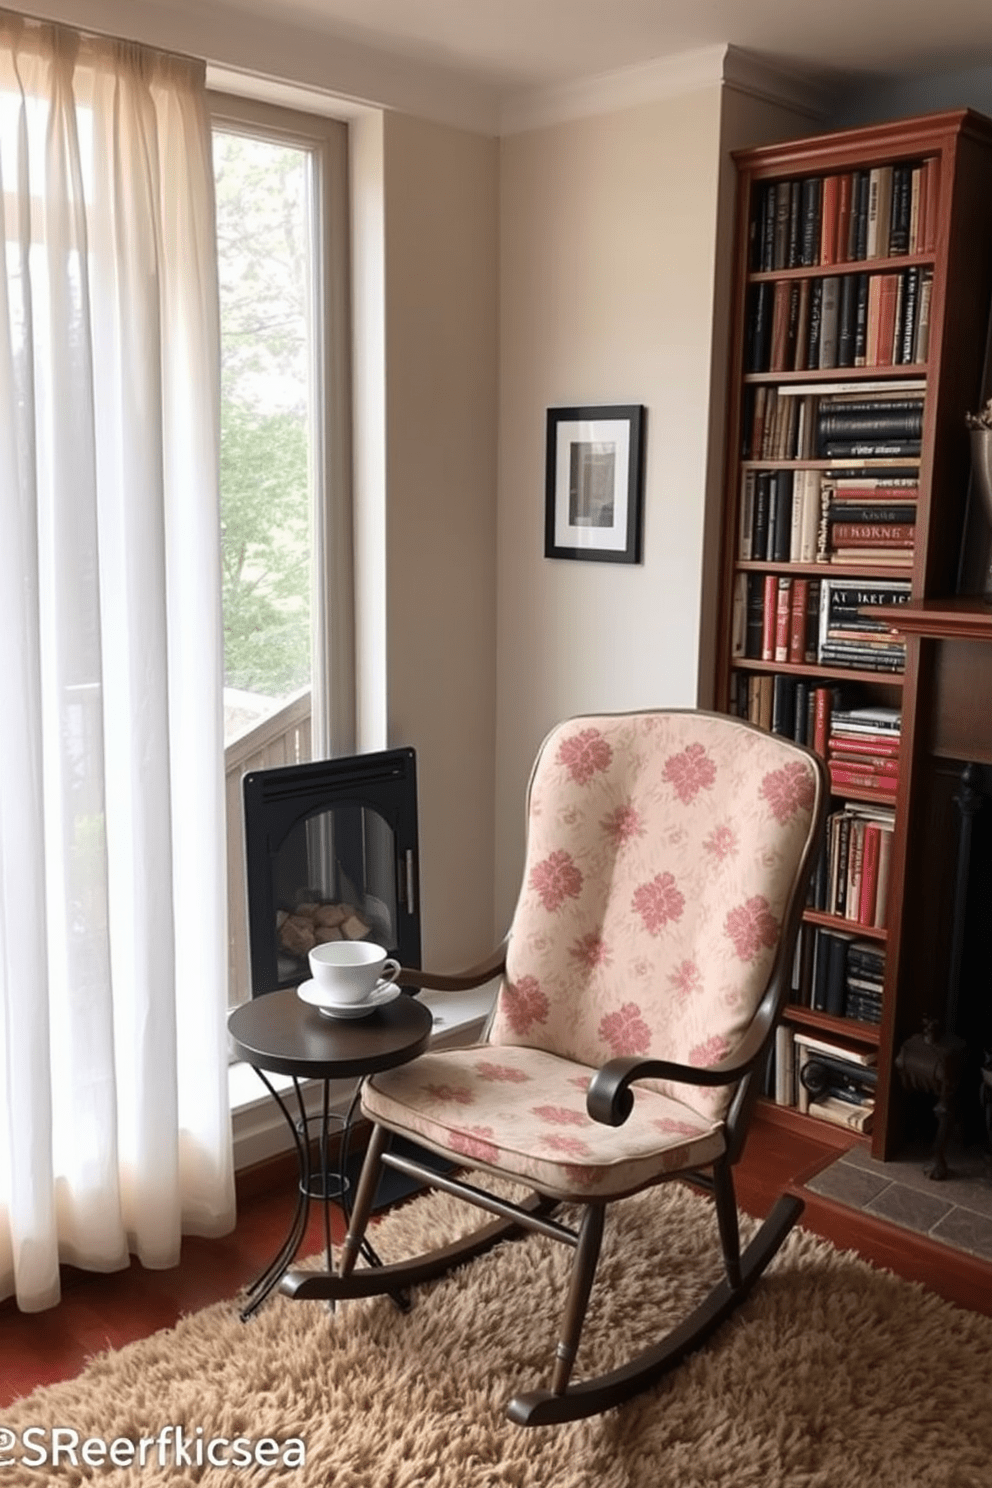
662	849
521	1112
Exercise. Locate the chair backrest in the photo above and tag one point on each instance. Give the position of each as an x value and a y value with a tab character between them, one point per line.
662	853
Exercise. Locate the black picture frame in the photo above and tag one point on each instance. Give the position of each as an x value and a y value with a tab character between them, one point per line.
594	483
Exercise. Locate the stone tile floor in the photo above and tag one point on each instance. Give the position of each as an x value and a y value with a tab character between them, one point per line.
956	1211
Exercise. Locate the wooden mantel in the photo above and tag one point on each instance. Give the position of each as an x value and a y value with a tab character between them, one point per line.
961	711
954	618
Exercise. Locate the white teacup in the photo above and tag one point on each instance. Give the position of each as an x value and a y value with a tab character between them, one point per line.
348	971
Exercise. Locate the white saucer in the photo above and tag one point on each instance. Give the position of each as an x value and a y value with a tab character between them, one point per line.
381	993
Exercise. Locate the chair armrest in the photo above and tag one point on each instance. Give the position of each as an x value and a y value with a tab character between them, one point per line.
475	976
610	1100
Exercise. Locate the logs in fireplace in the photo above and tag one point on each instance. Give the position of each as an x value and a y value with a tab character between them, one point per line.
331	854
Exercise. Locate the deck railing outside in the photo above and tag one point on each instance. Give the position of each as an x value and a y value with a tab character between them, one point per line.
280	738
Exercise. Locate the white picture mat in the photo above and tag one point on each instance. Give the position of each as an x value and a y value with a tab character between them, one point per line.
592	431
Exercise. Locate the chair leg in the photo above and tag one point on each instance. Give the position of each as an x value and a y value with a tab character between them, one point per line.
726	1213
364	1195
590	1396
580	1285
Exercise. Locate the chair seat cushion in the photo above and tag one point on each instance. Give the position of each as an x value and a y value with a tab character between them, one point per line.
521	1113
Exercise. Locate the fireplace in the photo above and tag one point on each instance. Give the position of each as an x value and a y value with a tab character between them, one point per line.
946	1068
330	854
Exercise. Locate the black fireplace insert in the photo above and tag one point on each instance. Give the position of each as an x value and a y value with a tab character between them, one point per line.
330	854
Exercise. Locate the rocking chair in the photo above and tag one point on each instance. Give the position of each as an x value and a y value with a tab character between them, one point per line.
668	856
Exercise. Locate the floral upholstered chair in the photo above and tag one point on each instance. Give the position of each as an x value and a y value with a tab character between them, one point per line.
668	855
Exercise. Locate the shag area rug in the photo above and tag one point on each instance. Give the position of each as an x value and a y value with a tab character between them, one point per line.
832	1375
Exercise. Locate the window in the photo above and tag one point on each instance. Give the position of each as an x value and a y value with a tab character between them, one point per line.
282	266
265	258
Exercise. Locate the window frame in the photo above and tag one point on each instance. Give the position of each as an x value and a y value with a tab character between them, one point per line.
333	692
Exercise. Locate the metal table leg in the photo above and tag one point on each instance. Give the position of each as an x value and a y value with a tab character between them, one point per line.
268	1280
313	1185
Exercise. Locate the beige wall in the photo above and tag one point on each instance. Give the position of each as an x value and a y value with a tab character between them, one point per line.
440	242
615	240
607	238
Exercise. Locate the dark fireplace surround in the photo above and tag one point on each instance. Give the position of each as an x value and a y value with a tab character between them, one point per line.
330	853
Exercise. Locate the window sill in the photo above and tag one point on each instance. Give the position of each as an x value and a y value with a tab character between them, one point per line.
260	1131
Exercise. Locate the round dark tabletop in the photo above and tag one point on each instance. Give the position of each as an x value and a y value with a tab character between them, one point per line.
279	1032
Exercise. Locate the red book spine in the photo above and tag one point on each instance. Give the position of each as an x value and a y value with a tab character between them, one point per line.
884	866
797	622
866	780
872	534
871	333
872	763
888	294
822	708
783	619
780	327
869	873
931	178
768	618
867	744
828	219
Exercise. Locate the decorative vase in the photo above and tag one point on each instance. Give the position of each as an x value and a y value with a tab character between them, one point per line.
981	472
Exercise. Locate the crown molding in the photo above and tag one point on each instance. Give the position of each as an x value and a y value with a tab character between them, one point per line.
802	92
664	77
607	93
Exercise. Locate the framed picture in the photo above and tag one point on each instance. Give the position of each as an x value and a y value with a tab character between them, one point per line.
594	483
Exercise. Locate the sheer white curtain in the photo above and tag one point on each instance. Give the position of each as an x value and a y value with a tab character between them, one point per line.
114	1117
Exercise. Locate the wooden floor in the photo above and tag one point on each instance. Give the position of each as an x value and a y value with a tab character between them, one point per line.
102	1311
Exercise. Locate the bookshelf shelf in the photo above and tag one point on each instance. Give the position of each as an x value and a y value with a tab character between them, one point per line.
834	922
867	798
843	1028
828	375
910	461
887	265
826	674
824	570
862	287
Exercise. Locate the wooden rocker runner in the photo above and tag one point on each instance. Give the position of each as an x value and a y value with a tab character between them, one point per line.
649	960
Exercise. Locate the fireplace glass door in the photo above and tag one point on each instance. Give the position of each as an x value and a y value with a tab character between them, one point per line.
331	854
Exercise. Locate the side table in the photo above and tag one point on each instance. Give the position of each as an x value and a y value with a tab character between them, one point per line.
278	1033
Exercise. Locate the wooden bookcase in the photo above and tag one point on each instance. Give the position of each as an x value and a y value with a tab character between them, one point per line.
937	170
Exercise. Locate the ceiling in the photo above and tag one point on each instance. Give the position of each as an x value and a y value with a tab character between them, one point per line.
515	46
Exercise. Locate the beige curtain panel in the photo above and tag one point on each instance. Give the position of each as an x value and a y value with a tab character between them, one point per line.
114	1117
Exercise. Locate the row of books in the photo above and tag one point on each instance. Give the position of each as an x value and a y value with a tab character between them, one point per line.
845	218
795	421
781	704
865	759
813	714
800	620
838	972
823	1078
839	320
780	516
791	706
849	638
807	516
852	877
